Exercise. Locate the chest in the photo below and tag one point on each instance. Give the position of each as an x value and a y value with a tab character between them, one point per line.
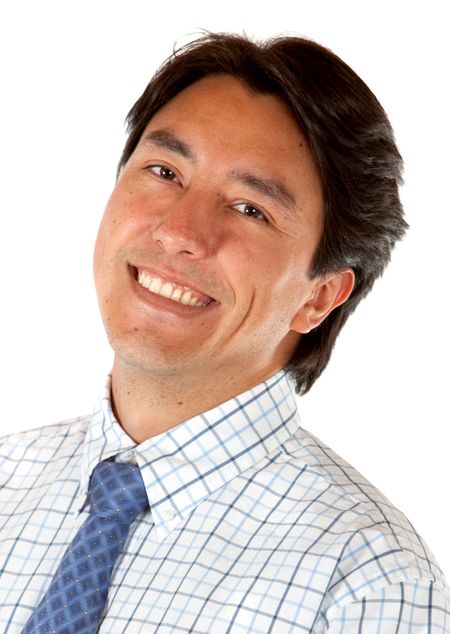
238	563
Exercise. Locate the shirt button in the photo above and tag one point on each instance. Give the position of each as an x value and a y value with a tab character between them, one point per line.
168	515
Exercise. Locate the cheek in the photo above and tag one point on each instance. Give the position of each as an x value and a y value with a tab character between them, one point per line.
106	245
99	250
270	272
105	236
287	288
118	220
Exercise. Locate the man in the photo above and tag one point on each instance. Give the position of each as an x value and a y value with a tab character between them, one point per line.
255	205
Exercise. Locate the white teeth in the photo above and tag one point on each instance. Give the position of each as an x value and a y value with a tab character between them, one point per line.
168	290
186	298
154	285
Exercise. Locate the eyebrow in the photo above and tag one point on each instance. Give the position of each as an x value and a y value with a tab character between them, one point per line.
272	188
168	141
269	187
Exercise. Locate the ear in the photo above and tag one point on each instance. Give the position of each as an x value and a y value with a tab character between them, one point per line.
330	291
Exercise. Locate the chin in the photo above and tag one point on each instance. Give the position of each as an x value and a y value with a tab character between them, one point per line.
148	356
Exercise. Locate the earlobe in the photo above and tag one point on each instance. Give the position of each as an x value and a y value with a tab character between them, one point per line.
331	291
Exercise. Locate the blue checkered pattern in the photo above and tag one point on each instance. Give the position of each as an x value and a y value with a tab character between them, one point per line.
254	527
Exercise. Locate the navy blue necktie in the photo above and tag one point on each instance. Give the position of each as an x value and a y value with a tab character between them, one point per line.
76	597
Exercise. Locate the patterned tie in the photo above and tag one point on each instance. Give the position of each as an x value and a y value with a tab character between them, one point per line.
75	600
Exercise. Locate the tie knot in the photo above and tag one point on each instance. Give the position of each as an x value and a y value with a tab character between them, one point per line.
117	491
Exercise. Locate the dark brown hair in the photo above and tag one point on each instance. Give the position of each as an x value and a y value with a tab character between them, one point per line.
352	143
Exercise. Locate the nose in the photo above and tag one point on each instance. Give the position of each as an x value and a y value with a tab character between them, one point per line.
187	228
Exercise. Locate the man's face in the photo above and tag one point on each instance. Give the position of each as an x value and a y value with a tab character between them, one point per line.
202	257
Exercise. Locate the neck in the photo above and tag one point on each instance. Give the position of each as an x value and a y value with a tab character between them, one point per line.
147	405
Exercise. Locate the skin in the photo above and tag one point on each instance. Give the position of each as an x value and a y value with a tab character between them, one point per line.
221	195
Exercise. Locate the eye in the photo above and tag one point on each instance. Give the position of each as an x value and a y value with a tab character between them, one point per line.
249	210
163	172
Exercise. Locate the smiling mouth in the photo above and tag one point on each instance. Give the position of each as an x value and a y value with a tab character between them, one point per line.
170	290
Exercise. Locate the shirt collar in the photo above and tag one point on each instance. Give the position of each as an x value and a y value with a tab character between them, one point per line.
185	464
104	438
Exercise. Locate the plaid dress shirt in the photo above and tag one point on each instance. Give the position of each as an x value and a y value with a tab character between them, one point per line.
254	526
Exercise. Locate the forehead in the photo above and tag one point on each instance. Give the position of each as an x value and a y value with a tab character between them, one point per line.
228	97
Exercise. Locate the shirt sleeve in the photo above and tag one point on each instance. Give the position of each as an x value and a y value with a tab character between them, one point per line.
412	607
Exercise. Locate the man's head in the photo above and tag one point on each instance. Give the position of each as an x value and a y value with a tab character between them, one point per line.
352	164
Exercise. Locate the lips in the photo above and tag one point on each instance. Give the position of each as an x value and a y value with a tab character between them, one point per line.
171	289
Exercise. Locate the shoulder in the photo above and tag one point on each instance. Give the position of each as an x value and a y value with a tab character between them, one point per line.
42	445
416	606
375	545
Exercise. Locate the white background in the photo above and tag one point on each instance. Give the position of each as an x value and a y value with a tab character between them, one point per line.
70	71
